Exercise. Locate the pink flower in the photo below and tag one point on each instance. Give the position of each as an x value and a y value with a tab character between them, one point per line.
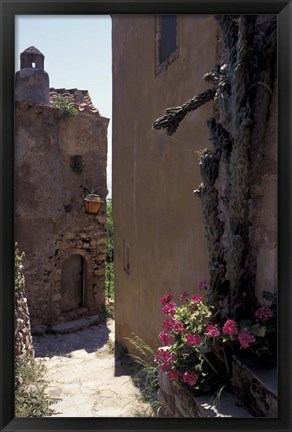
171	324
169	308
163	355
203	284
173	375
193	339
178	327
165	338
184	295
245	338
190	378
230	328
164	358
197	298
264	313
166	299
168	324
212	331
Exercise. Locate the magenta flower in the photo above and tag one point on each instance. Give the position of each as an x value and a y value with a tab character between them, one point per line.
169	308
166	299
163	355
230	327
168	324
165	358
178	327
212	331
173	375
165	338
184	295
196	298
193	339
245	339
190	378
264	313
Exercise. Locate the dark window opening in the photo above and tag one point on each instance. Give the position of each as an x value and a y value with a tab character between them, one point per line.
168	36
126	258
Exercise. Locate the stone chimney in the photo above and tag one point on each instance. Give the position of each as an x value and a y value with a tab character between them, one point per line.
32	81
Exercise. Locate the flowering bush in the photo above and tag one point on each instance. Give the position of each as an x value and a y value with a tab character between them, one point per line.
198	342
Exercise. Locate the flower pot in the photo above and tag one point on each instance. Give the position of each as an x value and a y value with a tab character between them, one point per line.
92	203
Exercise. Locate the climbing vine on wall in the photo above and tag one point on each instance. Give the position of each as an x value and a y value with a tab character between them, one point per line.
241	89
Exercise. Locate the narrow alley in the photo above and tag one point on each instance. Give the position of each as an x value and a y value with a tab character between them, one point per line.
86	377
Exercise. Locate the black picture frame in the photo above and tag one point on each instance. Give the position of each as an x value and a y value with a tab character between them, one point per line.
10	8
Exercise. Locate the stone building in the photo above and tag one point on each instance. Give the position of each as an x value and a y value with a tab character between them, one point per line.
56	156
160	243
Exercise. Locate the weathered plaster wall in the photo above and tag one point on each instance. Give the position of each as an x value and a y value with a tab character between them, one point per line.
50	221
154	209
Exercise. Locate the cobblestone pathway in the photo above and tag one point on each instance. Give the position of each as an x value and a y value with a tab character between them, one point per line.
82	371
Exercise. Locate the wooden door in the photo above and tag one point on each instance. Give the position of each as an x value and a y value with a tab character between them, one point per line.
72	283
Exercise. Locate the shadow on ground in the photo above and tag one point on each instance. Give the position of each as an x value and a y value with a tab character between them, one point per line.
90	339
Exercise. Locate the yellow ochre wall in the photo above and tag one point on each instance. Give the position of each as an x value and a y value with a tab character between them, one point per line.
154	175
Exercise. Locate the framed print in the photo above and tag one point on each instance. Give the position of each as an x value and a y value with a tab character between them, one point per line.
145	215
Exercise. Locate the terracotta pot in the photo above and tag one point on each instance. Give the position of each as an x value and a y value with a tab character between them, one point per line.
92	203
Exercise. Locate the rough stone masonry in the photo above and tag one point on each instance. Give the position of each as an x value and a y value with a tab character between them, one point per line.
55	154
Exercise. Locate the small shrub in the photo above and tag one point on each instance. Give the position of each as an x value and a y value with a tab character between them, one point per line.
64	104
146	375
31	399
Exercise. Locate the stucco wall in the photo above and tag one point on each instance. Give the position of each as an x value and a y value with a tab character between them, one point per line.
50	221
154	209
264	205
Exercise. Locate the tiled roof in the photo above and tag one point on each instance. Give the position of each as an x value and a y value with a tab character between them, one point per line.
80	98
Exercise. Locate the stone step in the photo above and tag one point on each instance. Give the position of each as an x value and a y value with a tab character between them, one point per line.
74	326
226	405
255	383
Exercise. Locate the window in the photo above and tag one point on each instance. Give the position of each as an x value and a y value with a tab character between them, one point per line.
168	36
126	258
166	41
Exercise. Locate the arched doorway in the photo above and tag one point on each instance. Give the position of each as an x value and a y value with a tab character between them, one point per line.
73	283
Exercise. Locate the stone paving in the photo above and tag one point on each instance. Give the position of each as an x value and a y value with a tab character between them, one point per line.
83	372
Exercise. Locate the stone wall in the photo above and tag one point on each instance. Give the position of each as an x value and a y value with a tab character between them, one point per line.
54	155
175	399
23	341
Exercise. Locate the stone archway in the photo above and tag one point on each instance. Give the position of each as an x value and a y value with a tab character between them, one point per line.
72	293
